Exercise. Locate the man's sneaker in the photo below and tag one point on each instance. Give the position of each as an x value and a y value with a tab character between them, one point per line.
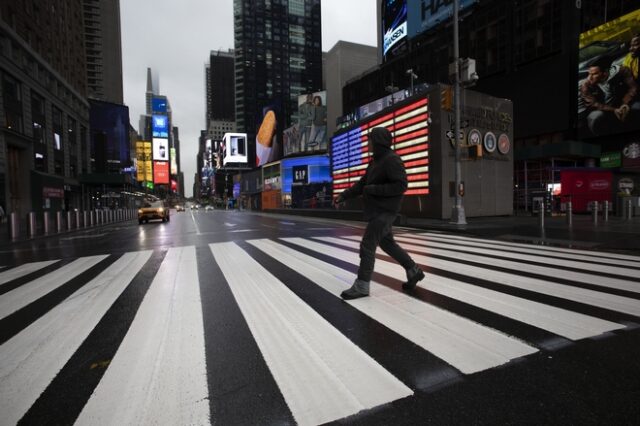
358	289
414	275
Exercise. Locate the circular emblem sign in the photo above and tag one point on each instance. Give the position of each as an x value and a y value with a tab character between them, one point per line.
489	142
504	145
474	137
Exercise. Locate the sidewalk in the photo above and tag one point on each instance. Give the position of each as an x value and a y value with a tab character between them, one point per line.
615	235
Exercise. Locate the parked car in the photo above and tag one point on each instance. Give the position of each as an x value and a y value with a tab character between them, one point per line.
153	210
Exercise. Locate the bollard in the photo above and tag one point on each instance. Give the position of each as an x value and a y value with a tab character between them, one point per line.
14	226
77	219
594	212
59	222
32	224
69	221
92	217
85	216
629	210
541	216
605	211
569	213
47	223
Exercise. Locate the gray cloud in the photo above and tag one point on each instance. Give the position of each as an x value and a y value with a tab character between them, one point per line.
175	37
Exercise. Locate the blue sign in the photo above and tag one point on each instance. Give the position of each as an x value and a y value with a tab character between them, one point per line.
426	14
394	23
160	126
159	104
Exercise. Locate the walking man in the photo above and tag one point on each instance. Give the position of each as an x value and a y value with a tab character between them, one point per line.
382	188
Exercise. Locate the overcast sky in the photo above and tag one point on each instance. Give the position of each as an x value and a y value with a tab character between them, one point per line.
174	38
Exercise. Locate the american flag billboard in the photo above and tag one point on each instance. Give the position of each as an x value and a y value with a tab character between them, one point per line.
410	129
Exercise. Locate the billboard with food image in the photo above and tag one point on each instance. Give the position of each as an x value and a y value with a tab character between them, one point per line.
268	146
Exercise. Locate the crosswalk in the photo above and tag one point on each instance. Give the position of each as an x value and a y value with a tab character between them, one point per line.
152	336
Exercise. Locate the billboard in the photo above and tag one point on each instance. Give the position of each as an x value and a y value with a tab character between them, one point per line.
426	14
174	161
161	172
268	147
410	129
584	186
160	149
309	133
235	148
160	126
394	27
608	99
159	104
143	159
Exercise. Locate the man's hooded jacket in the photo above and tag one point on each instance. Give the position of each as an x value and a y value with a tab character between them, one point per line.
385	180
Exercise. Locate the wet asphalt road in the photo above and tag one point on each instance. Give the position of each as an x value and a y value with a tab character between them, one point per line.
549	377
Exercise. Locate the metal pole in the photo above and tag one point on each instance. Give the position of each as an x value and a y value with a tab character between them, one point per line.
33	225
541	214
605	211
629	210
14	226
457	215
594	211
569	213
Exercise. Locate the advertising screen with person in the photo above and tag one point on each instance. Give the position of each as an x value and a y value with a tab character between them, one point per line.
608	79
160	149
309	133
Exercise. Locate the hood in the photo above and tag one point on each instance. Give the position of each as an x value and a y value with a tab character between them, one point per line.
381	140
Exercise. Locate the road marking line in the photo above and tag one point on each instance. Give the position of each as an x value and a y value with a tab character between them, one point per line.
562	322
158	375
468	346
22	296
22	270
322	375
577	294
48	343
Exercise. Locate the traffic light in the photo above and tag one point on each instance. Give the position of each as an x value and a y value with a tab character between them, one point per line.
446	98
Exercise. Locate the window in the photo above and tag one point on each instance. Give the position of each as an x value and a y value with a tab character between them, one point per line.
57	128
12	103
37	117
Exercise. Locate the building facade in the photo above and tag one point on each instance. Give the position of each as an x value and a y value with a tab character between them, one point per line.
103	46
219	81
535	53
278	56
44	114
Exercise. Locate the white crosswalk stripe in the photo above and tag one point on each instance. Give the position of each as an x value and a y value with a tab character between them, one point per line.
23	270
159	373
322	375
31	359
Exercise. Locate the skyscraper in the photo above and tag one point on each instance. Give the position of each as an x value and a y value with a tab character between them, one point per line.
278	56
219	78
103	49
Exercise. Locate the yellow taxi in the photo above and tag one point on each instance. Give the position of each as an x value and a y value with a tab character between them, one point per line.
153	210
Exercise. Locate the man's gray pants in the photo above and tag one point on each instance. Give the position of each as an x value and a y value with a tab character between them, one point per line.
378	233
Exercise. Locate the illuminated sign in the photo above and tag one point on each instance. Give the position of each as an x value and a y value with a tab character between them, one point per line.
394	23
300	175
160	149
235	145
426	14
161	172
159	105
410	129
160	126
174	162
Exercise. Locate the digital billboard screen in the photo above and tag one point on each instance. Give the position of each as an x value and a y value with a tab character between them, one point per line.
409	126
394	26
426	14
160	149
174	161
608	95
159	104
309	133
160	126
160	172
268	147
235	145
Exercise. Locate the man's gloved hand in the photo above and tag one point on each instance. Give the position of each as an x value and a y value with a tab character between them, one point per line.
622	112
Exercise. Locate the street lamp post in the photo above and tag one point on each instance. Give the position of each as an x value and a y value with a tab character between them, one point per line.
457	213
